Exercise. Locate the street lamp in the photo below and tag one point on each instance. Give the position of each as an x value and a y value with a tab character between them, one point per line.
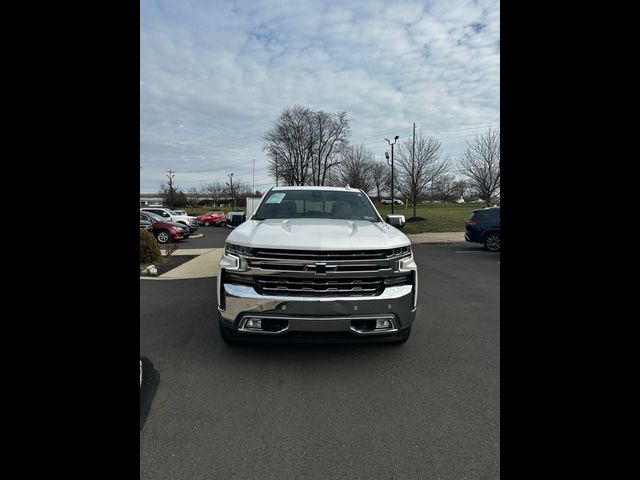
230	185
386	154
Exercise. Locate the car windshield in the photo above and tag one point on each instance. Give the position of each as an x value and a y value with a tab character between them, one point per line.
316	204
155	216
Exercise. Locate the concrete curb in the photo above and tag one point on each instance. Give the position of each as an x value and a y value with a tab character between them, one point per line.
205	265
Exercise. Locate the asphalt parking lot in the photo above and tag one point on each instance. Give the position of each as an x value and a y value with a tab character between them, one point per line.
213	237
428	409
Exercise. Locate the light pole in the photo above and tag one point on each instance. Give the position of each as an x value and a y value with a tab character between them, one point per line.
230	184
386	154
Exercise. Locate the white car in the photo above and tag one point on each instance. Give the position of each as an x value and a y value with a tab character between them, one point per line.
387	201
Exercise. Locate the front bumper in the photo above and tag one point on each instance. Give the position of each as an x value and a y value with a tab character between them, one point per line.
312	317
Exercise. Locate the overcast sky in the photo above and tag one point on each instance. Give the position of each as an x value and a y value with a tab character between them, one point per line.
215	74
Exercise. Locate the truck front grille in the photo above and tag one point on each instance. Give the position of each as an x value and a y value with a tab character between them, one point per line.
319	287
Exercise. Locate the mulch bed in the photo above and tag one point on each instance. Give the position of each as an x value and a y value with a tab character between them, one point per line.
165	264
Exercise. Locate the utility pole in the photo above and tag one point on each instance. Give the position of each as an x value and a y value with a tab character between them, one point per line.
230	184
413	167
170	177
393	200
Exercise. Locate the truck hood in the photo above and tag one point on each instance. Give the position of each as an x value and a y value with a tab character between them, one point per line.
317	234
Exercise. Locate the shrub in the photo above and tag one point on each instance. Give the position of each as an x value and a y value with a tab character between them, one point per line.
149	248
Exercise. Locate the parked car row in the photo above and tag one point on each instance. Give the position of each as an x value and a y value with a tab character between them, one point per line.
164	231
174	216
170	225
217	218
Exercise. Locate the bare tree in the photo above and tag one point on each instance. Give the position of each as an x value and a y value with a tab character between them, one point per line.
355	168
192	197
417	173
240	190
379	172
481	164
459	188
331	133
290	145
303	146
214	190
444	186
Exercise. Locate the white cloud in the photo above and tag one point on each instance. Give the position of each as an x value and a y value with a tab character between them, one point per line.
215	74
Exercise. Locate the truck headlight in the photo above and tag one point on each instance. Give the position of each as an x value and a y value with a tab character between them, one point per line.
409	265
235	257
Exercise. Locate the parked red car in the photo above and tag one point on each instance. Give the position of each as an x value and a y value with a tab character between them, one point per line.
215	218
165	231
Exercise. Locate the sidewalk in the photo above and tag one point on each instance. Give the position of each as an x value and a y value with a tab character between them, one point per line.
447	237
205	265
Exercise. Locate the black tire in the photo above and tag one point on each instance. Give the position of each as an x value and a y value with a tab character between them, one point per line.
207	223
224	334
163	237
405	337
491	242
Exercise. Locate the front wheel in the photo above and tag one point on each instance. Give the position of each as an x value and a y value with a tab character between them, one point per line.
492	242
207	223
163	237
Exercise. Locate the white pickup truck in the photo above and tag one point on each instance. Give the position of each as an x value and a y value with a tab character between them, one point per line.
317	264
174	216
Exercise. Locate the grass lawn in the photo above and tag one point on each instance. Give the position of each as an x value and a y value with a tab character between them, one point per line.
441	217
444	217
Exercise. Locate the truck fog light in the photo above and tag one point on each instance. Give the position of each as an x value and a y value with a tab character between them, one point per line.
254	323
380	324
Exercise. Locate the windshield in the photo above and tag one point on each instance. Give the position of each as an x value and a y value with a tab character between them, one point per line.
155	216
316	204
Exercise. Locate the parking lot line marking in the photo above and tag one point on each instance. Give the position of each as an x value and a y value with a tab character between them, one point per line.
472	251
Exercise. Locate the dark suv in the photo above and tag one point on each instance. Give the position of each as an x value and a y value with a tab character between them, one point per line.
483	226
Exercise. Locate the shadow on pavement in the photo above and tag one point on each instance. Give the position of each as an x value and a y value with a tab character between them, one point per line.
150	382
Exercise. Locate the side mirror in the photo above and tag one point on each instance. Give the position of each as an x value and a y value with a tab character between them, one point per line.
397	221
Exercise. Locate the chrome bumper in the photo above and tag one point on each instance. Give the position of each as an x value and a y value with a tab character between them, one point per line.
319	314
